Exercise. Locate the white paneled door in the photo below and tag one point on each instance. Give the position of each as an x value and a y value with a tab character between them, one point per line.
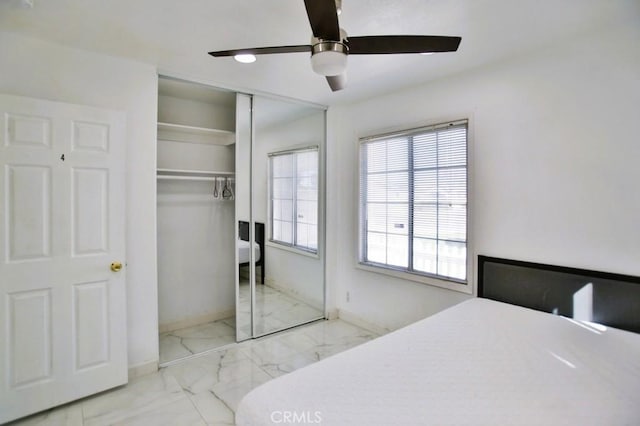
62	247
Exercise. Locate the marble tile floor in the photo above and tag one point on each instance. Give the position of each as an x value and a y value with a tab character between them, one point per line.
206	389
274	311
200	338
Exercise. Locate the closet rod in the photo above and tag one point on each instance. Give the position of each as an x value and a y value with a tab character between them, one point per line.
202	178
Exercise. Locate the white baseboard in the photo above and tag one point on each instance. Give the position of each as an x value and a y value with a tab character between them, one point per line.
270	282
200	319
358	321
331	314
143	369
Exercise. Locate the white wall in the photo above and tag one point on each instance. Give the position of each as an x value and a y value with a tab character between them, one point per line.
44	70
191	112
553	167
196	245
196	258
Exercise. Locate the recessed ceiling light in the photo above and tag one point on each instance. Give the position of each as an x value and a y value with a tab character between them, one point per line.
245	59
427	53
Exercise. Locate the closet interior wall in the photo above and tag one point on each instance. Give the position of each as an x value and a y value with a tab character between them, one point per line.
196	243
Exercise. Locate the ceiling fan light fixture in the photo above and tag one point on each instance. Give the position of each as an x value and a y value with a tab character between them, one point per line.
245	58
329	58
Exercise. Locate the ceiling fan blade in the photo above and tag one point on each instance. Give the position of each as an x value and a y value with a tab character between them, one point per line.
337	82
263	50
389	44
323	17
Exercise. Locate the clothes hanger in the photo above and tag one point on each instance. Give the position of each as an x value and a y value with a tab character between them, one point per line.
226	191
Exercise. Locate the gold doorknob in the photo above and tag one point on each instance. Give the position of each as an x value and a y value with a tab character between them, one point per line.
116	266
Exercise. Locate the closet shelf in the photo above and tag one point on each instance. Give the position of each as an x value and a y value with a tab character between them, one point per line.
193	134
176	174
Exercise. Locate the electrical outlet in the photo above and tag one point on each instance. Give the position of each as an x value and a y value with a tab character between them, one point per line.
348	297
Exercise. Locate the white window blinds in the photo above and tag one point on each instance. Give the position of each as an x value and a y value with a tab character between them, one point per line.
294	198
413	201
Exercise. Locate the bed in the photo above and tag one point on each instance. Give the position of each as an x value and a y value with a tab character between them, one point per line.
244	252
244	247
483	361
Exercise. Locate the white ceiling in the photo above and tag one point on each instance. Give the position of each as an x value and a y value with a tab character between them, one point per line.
176	36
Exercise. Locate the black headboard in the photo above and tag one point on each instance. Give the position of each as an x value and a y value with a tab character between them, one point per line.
615	298
243	231
259	237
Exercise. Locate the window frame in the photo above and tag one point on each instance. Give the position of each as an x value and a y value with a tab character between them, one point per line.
442	281
283	244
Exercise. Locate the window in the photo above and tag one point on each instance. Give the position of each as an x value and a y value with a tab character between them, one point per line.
413	201
294	198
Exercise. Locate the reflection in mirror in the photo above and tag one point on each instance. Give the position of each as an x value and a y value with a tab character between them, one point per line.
287	209
245	269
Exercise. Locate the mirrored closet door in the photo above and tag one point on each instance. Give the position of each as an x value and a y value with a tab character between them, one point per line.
280	148
240	217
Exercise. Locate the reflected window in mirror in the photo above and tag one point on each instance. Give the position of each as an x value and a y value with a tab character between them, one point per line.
293	199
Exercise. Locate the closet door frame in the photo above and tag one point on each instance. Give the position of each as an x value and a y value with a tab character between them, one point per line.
322	253
244	104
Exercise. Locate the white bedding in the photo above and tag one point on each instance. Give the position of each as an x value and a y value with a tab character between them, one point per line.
244	250
479	362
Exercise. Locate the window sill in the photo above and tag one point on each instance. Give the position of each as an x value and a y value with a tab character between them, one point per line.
431	281
292	250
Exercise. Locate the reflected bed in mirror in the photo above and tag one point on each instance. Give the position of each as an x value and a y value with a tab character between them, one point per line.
244	247
275	308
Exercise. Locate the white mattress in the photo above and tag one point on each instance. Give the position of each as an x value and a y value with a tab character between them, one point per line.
479	362
244	249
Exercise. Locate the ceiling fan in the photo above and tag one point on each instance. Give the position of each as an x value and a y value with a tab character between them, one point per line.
330	45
